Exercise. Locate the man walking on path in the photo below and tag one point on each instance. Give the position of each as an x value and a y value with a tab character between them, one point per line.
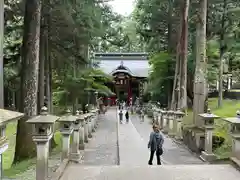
155	145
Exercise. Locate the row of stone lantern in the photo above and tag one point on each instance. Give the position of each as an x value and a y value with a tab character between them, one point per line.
80	126
208	126
171	123
235	133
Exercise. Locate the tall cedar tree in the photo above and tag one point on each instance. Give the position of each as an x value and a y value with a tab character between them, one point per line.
25	147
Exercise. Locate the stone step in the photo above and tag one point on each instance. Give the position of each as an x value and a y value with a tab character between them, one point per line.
164	172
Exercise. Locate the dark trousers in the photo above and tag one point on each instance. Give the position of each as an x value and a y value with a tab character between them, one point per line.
151	157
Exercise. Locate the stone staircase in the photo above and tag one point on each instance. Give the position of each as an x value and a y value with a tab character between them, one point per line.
165	172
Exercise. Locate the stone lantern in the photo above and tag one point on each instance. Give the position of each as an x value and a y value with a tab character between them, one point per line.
164	120
235	133
177	126
42	132
96	98
75	153
86	128
93	113
95	117
170	123
66	129
81	132
155	115
208	126
89	125
159	117
6	116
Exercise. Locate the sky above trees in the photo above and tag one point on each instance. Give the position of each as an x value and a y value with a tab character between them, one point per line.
123	7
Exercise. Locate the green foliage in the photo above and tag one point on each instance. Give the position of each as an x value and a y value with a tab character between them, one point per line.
88	80
75	29
162	70
152	22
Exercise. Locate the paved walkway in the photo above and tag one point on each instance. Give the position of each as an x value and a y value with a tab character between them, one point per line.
133	140
166	172
173	153
132	149
102	147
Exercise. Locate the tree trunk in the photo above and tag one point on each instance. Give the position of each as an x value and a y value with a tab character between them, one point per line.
171	86
50	101
1	53
48	65
75	98
174	92
169	95
41	85
177	85
25	148
222	49
200	85
184	56
48	85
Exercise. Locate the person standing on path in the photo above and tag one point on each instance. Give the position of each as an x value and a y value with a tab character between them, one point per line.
127	116
120	116
142	115
155	144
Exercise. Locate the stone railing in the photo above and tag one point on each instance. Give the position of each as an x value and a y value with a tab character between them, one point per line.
6	116
171	122
199	137
235	133
79	126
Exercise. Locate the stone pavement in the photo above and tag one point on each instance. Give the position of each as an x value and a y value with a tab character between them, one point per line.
165	172
102	147
132	149
133	140
173	153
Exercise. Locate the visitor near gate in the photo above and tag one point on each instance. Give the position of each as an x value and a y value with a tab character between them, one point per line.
142	115
120	116
127	116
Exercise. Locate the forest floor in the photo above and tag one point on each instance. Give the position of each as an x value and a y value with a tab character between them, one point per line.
228	109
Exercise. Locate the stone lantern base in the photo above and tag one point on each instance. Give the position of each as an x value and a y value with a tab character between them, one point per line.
207	157
75	157
235	161
81	146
